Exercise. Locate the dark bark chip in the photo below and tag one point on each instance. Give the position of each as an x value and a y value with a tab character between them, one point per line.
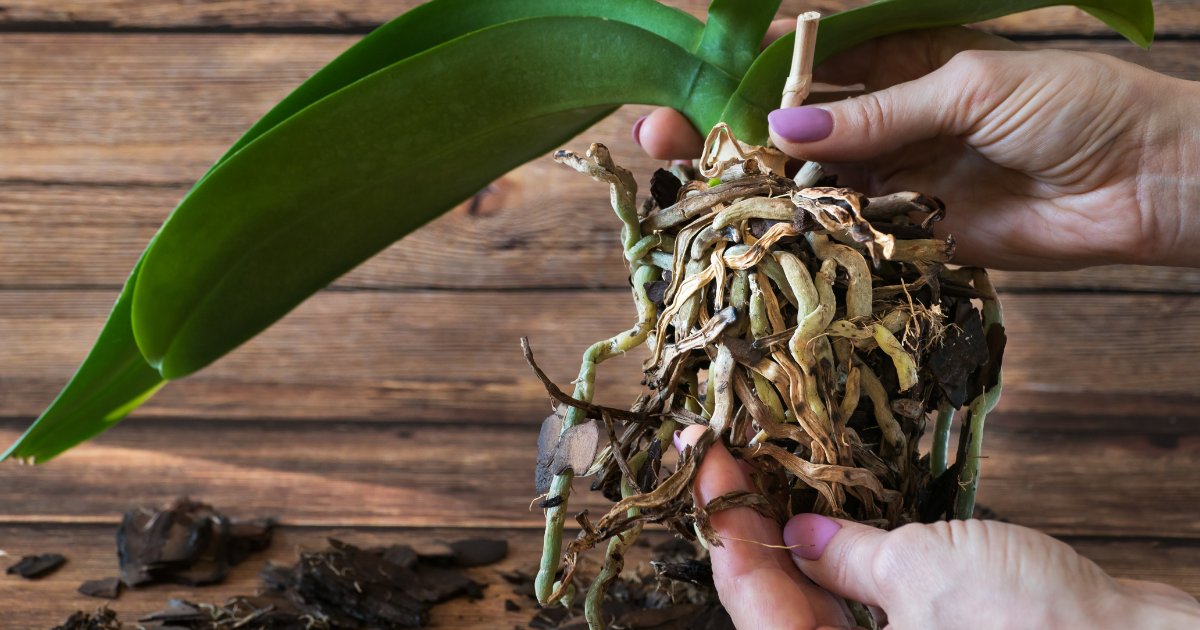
664	188
34	567
477	552
108	588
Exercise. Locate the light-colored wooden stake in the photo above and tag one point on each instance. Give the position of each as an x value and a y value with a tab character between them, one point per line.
800	79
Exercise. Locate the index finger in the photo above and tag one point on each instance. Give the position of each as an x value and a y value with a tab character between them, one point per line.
760	586
893	59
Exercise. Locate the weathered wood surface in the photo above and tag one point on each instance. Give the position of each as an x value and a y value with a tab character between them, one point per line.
420	409
161	114
86	187
455	355
1173	17
519	236
92	554
1069	478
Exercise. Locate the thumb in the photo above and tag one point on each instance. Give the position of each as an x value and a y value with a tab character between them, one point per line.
837	554
956	571
946	102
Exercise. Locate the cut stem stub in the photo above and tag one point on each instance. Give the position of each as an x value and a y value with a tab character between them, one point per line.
800	79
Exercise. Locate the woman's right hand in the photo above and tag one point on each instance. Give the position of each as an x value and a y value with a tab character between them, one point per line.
942	576
1045	159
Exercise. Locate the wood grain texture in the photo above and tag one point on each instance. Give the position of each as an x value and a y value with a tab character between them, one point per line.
335	474
82	189
539	227
1172	16
1069	479
161	108
1097	438
91	552
434	355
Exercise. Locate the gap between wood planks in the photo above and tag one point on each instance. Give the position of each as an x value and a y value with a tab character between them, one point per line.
322	16
1059	478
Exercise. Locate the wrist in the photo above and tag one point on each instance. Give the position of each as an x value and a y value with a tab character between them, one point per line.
1168	186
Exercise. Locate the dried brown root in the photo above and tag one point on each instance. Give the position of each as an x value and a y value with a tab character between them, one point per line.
796	307
722	151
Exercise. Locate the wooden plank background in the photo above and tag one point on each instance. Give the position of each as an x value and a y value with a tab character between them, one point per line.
397	399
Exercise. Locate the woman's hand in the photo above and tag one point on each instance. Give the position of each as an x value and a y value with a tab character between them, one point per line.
944	576
1045	159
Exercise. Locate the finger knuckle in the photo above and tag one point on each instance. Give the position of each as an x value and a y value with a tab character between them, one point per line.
872	115
977	62
899	554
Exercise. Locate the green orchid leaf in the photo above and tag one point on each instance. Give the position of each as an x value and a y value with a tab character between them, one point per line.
113	380
1134	22
414	119
329	187
734	33
762	85
439	21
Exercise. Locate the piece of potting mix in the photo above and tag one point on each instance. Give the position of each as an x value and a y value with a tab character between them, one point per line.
341	587
647	597
100	619
350	587
34	567
810	328
107	588
187	542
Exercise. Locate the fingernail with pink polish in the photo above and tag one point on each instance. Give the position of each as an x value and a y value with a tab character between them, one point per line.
637	130
809	534
800	124
678	446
